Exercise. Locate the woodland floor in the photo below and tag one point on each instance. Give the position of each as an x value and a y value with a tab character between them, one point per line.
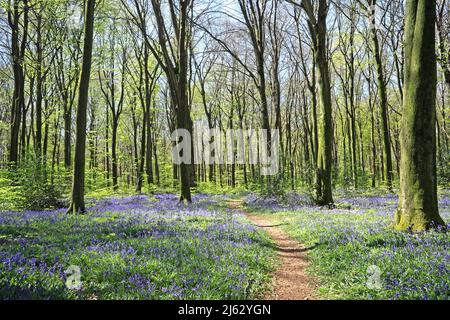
223	247
352	247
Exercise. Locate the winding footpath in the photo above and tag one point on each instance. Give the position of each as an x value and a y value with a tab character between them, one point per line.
291	281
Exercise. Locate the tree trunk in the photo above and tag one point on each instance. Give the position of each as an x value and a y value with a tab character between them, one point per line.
67	135
107	158
77	201
155	155
443	46
115	173
93	143
141	161
39	89
418	203
372	131
178	74
18	51
148	97
324	159
384	106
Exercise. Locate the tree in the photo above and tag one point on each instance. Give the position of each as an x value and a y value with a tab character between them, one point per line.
349	52
109	91
418	203
317	25
174	60
66	69
77	202
203	69
444	41
382	87
17	11
255	16
139	12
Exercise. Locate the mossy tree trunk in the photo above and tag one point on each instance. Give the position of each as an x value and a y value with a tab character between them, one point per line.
418	203
318	29
77	201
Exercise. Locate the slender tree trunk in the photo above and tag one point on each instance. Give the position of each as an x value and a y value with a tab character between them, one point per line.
115	173
325	152
18	47
67	135
372	131
55	146
135	140
24	142
39	89
45	142
354	147
148	97
383	105
315	123
361	141
443	46
155	155
351	64
141	160
77	201
93	143
149	151
107	157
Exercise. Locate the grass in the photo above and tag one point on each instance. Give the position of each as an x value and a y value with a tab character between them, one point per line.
135	248
346	242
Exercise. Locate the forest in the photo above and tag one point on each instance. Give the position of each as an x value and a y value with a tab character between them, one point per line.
236	149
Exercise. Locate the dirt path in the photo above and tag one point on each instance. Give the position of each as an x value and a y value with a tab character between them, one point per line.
290	279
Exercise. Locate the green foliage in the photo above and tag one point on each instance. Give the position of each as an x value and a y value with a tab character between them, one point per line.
42	195
10	194
443	171
274	187
36	190
307	174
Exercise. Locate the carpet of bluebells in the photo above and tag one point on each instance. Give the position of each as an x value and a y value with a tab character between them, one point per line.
135	248
345	243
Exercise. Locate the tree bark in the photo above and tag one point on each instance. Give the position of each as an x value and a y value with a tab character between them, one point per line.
175	65
418	202
318	30
39	89
77	202
18	47
67	135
